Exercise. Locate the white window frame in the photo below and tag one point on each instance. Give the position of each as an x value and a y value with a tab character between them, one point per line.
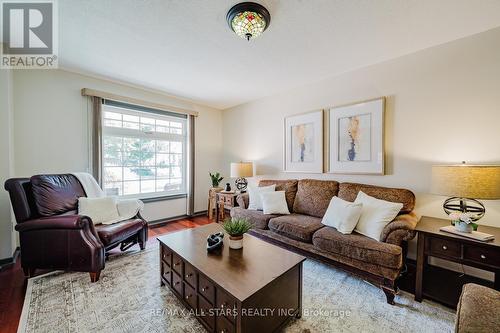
150	135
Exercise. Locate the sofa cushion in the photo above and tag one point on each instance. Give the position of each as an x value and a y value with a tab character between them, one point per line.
110	233
313	196
296	226
359	247
56	194
257	218
288	185
349	192
477	309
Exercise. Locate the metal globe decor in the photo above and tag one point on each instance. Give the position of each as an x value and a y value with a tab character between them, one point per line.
241	184
248	19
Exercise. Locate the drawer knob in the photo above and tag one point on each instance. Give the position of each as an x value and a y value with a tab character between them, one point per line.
445	247
188	296
222	305
177	264
176	283
204	289
483	256
189	275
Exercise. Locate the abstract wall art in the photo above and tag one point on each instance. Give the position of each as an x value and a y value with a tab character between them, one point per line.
304	143
356	138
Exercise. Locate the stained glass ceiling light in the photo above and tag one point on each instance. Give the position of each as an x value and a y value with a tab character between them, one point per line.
248	19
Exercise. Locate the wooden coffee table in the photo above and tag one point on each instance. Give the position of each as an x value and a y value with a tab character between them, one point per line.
255	289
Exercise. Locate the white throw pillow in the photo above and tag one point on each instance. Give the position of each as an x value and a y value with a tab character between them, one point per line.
274	203
342	215
100	210
254	201
375	215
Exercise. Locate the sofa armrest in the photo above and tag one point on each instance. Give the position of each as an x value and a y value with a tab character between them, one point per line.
242	200
402	228
55	222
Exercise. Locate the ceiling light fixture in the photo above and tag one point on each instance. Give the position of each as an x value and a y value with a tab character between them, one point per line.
248	19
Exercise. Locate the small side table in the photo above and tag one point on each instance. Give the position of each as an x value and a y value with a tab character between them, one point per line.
435	243
225	201
212	201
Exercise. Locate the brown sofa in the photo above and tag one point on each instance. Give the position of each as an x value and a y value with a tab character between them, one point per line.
379	262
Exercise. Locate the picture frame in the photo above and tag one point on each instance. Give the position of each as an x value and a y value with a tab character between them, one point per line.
303	143
356	138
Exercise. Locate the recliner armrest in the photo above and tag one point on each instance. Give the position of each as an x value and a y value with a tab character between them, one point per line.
402	228
55	222
242	200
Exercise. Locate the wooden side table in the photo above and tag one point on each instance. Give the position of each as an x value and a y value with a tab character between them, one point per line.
451	247
225	201
212	201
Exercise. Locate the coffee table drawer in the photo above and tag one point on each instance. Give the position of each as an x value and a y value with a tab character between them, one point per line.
177	283
166	255
226	304
177	263
482	255
205	312
224	325
443	247
189	274
190	295
206	288
166	273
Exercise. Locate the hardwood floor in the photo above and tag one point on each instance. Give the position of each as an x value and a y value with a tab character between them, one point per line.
13	284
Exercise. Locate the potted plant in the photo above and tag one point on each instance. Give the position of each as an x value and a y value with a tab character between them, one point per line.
462	222
216	179
235	228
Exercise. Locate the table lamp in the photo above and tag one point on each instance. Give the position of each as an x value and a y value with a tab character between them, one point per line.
240	170
464	184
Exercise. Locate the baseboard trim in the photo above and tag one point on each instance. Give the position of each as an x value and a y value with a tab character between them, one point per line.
162	222
8	262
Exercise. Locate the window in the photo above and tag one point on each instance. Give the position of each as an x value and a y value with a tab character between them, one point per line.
144	151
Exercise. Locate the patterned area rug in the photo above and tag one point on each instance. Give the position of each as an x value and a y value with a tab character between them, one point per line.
128	298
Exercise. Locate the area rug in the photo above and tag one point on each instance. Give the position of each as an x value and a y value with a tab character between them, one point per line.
128	298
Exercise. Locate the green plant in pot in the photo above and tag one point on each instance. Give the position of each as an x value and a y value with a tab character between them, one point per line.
216	179
235	228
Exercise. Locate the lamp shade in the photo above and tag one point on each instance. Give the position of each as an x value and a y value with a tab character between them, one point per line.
241	169
466	181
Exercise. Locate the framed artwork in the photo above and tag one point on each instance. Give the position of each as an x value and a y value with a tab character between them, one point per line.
304	143
356	140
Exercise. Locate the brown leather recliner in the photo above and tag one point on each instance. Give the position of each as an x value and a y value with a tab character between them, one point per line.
54	236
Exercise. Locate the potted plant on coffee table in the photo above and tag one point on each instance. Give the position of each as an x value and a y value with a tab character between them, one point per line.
235	228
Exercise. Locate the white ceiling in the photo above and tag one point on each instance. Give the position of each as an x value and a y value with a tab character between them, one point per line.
185	48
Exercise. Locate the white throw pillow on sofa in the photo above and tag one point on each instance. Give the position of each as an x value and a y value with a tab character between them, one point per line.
274	203
100	210
375	215
342	215
254	201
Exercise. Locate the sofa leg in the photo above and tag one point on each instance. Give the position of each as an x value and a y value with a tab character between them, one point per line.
94	276
389	294
142	245
28	272
389	288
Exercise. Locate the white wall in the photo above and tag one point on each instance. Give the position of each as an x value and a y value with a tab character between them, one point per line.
7	241
443	107
51	130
